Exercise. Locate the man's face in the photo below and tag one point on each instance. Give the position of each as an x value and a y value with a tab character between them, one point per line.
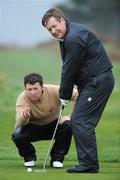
34	91
56	28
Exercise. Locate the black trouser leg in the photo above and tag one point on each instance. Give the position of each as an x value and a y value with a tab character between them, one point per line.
31	133
62	141
87	112
24	145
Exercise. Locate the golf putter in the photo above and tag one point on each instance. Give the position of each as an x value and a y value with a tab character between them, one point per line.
43	170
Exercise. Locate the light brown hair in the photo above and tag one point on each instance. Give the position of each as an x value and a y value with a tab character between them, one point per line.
56	13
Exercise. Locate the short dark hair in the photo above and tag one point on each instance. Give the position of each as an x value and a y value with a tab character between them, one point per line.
56	13
33	78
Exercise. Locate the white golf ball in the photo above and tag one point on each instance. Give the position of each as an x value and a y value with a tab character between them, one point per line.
29	169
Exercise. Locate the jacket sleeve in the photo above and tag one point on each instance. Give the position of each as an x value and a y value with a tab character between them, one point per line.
72	61
20	105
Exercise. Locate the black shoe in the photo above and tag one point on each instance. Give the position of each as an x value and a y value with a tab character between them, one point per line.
81	169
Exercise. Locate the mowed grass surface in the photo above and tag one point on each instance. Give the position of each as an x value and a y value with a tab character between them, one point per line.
13	66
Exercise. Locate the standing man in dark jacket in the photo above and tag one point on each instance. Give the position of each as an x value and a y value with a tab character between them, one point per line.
85	64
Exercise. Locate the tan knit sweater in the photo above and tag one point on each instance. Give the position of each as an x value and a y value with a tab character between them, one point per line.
43	111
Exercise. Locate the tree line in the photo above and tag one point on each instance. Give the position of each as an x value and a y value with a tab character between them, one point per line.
103	16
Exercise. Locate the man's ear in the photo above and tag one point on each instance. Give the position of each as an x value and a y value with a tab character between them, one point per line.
62	19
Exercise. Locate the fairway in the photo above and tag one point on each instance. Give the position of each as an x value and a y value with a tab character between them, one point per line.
14	64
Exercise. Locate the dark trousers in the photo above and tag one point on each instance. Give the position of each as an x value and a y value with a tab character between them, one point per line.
31	133
88	109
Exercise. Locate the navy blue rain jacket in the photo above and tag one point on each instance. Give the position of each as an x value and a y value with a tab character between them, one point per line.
83	57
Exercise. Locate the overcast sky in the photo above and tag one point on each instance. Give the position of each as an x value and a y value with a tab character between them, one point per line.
20	21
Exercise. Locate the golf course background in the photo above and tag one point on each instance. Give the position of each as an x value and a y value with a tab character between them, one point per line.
14	65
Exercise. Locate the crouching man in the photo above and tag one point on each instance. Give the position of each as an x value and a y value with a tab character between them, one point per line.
37	112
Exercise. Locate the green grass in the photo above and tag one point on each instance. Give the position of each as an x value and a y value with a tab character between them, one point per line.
14	170
13	66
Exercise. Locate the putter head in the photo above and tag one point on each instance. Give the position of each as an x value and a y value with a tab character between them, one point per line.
41	170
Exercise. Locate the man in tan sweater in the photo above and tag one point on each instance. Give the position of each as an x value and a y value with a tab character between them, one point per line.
37	112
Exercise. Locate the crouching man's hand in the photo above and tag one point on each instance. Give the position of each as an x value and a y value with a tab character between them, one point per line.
27	112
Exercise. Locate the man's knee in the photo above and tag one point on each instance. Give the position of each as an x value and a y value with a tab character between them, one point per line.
16	136
67	126
67	123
